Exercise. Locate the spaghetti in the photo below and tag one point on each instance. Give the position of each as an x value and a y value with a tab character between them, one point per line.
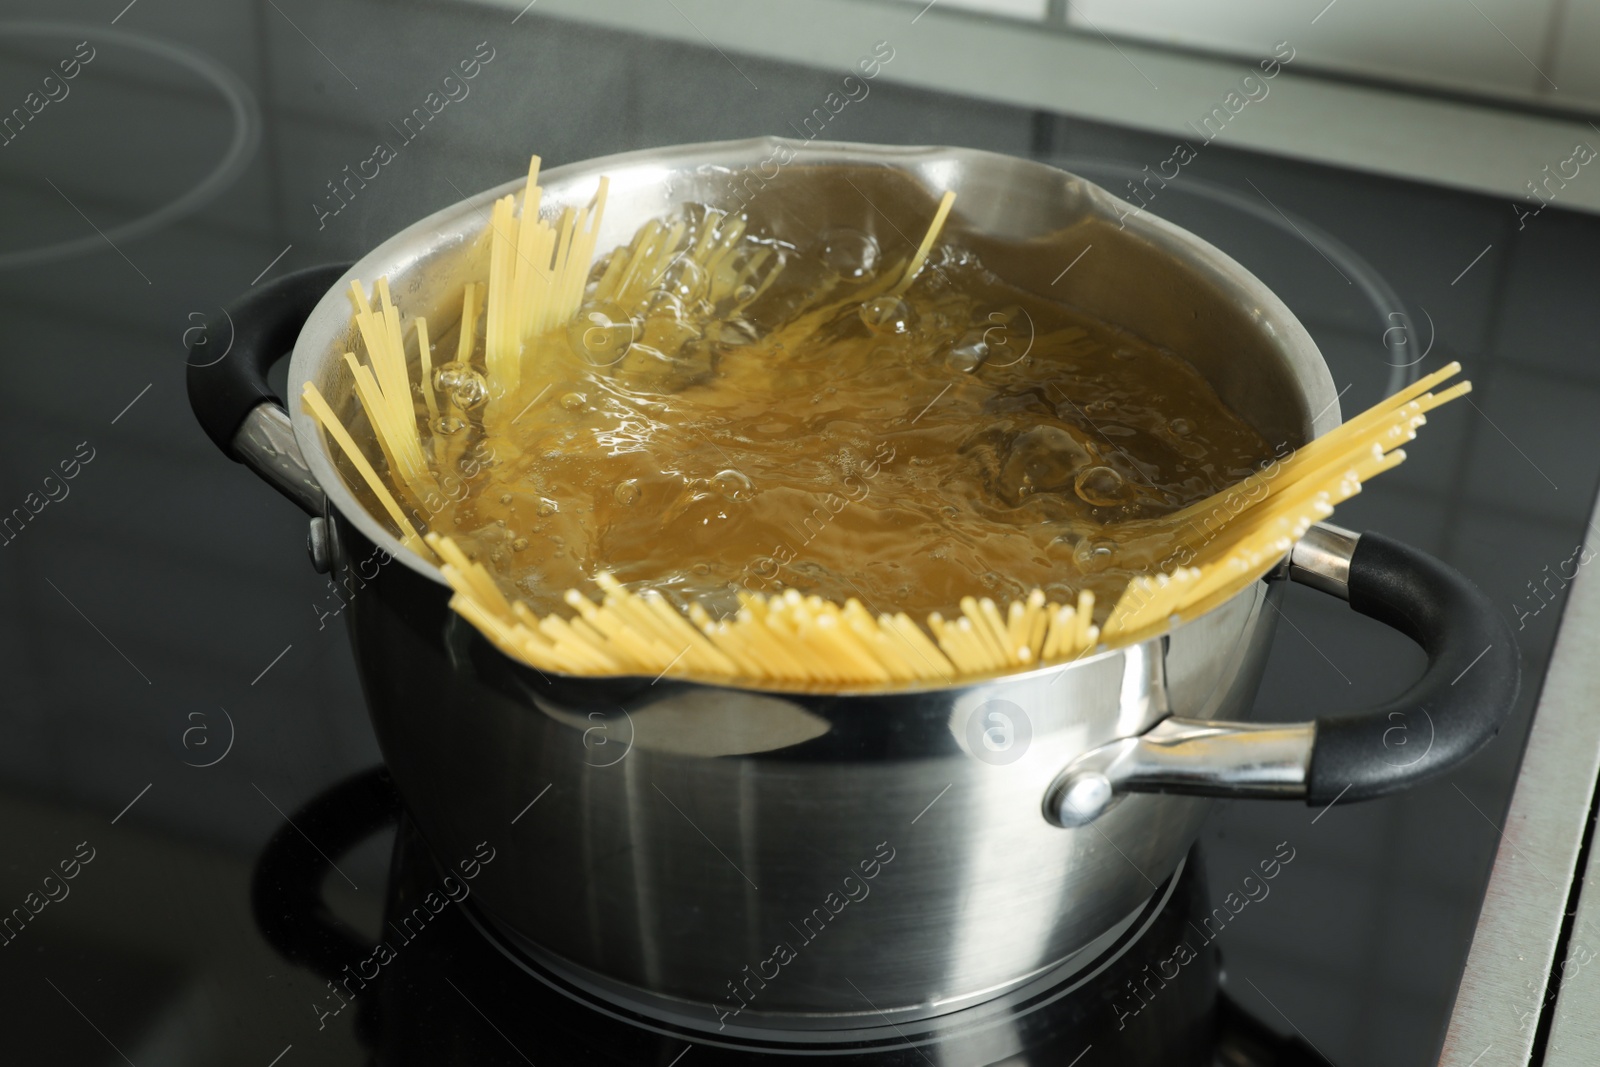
539	293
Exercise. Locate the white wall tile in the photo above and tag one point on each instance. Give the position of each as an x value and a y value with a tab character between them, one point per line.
1575	70
1481	45
1016	9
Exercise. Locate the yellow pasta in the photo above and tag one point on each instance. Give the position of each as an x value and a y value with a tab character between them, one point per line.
537	277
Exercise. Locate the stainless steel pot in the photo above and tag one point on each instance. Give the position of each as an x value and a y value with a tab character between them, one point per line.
772	858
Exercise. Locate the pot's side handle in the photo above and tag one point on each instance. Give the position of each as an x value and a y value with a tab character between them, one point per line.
227	379
1451	712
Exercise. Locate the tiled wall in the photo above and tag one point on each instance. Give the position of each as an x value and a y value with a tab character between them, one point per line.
1525	49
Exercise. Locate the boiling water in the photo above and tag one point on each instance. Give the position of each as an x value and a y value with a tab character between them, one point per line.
825	434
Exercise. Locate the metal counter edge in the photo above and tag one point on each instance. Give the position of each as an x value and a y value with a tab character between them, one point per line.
1503	991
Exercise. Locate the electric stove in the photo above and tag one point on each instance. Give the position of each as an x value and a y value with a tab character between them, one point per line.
179	685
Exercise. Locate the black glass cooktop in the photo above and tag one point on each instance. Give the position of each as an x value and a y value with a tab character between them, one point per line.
179	683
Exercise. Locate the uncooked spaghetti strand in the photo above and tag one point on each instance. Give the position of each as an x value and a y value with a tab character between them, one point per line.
925	651
956	651
1037	631
474	573
1429	401
992	640
996	629
852	659
380	416
395	379
527	262
1308	464
736	646
754	629
1083	618
705	652
323	413
856	632
500	357
467	338
915	266
561	253
894	655
1344	434
425	370
367	323
1329	483
386	362
588	235
629	606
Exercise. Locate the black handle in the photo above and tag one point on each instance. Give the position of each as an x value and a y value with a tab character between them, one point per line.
1452	711
228	363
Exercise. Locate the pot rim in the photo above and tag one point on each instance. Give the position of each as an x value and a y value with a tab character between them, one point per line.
332	313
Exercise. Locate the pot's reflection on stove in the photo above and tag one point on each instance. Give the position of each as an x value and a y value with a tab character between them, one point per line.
445	987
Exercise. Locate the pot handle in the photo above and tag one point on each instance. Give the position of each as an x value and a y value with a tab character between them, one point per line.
228	390
1355	756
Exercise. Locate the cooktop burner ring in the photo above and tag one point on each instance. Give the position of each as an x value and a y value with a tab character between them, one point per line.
244	138
696	1022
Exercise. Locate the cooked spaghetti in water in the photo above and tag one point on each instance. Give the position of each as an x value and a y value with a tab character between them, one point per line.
713	454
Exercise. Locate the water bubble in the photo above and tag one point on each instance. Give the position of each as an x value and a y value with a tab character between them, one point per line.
1182	427
1044	457
1094	554
448	425
601	334
470	394
519	544
446	376
548	507
733	484
663	303
849	253
969	353
684	279
887	315
465	387
574	401
626	492
745	293
505	498
1101	486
